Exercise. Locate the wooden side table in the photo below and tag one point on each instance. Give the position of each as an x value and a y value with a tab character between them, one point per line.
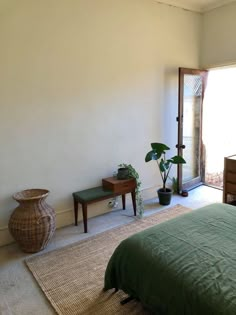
121	187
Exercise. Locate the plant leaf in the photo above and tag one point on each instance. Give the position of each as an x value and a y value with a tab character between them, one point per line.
162	166
159	148
151	155
167	164
177	160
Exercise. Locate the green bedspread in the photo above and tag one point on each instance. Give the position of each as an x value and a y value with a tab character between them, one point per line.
185	266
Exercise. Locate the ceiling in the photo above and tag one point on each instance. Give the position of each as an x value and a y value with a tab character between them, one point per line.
197	5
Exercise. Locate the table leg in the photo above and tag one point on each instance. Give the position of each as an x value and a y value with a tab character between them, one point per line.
123	201
134	201
76	211
84	209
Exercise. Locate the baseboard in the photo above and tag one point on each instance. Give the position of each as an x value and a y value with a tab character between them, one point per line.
66	217
5	236
149	193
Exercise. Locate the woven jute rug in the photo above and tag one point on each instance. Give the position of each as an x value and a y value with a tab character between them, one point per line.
72	277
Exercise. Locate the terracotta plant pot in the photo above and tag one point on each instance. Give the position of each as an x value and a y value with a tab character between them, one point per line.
32	223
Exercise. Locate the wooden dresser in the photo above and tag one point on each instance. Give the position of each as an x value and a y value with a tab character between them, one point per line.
229	190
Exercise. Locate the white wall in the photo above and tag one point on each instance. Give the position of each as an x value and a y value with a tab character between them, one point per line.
84	86
218	37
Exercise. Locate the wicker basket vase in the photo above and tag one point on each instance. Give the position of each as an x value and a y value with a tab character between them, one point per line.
32	223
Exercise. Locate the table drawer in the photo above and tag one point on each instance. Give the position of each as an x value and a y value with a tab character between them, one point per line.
122	186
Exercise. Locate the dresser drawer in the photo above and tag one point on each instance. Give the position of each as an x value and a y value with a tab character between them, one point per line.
230	177
230	165
119	185
231	188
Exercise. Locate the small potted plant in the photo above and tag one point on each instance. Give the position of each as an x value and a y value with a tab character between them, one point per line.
158	153
133	173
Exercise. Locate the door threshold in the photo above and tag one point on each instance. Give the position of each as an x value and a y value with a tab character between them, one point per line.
211	186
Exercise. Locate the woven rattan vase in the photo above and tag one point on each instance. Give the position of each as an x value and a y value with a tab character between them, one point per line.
32	223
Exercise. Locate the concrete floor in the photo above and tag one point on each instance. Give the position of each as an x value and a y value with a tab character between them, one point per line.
19	292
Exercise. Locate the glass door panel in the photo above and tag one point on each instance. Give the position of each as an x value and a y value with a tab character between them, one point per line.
191	89
192	127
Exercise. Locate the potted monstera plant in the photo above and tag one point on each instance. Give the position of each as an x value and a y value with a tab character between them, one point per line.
158	153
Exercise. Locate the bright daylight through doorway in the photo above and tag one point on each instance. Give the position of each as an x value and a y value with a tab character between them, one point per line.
219	122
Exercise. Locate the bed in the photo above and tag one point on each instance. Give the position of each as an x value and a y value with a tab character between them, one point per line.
185	266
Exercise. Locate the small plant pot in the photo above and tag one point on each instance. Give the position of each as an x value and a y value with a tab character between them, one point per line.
123	173
164	196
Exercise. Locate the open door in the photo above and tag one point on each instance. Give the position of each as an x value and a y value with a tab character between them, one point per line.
192	84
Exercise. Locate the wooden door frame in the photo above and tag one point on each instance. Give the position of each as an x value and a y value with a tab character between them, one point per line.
180	146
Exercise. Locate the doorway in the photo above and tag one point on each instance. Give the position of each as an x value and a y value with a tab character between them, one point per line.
219	127
206	125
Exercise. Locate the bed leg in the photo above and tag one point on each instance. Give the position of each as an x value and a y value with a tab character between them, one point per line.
127	300
116	290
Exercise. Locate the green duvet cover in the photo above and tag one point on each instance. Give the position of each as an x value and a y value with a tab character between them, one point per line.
185	266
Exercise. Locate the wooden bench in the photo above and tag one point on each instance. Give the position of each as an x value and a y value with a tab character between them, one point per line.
92	195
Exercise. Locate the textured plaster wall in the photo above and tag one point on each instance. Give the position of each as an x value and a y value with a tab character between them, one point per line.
84	86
